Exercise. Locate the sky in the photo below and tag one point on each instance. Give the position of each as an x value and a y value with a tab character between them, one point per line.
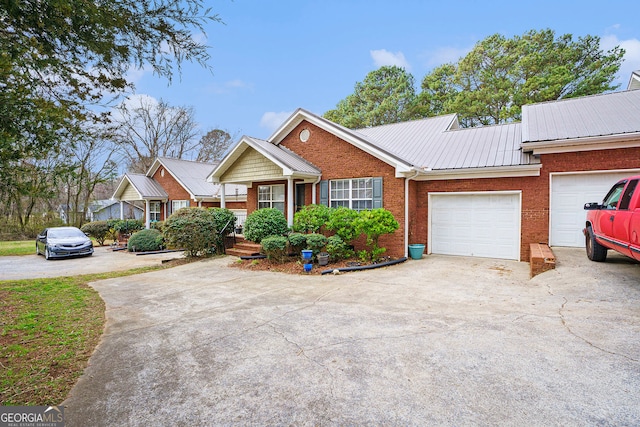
269	58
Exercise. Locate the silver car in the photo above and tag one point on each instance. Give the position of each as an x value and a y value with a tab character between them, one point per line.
63	242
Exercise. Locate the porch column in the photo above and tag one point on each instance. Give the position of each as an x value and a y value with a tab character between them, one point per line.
290	208
147	205
222	196
122	209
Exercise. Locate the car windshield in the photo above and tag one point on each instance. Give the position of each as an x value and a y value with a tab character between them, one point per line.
64	233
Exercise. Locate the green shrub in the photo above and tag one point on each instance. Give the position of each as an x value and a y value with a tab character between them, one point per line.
343	222
99	230
316	242
338	249
297	242
157	225
264	223
275	248
125	227
373	224
310	218
191	229
145	240
224	221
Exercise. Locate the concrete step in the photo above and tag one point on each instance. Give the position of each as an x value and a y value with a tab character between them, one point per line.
242	252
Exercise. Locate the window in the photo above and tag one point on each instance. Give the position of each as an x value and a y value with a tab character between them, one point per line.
178	204
628	194
611	201
271	196
154	211
355	194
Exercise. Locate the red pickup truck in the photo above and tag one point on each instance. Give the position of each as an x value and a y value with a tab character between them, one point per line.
615	224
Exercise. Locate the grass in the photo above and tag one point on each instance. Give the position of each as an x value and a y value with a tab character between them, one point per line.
48	330
19	247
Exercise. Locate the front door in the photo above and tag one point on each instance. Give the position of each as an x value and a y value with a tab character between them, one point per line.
299	196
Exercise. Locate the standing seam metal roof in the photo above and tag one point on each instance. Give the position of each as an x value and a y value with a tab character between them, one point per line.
286	157
615	113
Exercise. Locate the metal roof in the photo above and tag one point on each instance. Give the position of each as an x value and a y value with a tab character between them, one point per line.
145	186
436	143
615	113
284	156
192	176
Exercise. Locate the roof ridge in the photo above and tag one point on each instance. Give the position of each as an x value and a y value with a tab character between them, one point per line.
577	98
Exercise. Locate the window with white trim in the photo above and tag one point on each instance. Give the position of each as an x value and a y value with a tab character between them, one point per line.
271	196
354	194
178	204
154	211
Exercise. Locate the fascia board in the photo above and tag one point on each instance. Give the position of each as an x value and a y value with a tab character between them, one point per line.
627	140
475	173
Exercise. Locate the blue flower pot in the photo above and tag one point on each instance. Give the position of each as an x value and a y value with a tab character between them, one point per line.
307	254
307	267
416	251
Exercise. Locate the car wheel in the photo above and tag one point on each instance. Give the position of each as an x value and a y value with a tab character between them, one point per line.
47	255
595	251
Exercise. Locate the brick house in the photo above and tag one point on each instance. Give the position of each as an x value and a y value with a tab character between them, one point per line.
487	191
171	184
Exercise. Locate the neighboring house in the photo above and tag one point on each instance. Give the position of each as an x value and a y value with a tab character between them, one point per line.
171	184
101	210
487	191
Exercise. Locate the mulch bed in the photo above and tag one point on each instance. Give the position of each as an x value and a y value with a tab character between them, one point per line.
291	267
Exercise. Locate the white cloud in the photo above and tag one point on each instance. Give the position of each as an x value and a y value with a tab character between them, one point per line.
133	101
446	55
135	74
272	120
383	57
631	60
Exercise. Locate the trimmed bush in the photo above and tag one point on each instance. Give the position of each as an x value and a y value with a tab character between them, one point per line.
316	242
224	221
145	240
125	227
338	249
297	242
373	224
99	230
191	229
264	223
275	248
310	218
343	222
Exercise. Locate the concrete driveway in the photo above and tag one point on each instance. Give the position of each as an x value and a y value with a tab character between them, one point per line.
103	260
439	341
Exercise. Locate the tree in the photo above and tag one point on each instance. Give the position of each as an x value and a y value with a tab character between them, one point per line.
60	61
213	145
491	83
148	129
385	96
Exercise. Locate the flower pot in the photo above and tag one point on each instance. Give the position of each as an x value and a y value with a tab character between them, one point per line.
416	251
307	267
307	254
323	258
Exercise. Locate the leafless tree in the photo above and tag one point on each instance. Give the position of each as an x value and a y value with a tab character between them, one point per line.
146	129
213	145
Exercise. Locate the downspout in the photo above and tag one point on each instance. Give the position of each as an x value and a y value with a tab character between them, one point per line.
406	212
313	189
223	199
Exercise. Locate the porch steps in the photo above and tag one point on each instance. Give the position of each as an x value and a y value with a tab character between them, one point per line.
243	247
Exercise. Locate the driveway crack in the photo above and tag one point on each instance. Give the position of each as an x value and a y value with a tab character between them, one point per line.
568	328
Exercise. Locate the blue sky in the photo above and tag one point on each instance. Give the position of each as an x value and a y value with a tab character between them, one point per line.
271	57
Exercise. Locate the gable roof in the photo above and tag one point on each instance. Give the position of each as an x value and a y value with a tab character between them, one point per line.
145	187
634	81
290	163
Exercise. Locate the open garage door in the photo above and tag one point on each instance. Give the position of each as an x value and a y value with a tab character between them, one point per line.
569	193
484	224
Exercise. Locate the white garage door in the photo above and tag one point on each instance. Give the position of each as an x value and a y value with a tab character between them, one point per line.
569	193
475	224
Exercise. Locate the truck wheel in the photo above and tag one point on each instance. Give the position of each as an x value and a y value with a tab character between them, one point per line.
595	251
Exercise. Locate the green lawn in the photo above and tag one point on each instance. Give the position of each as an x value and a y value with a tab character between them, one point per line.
48	330
21	247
